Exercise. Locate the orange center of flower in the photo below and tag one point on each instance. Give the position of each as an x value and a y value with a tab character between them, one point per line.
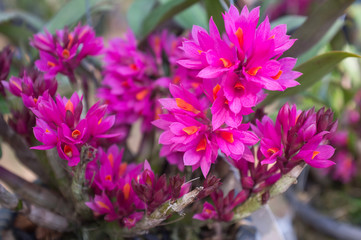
226	62
75	134
253	71
122	169
68	151
142	94
47	131
278	75
199	51
202	145
314	154
35	100
111	159
133	67
190	130
238	86
108	178
186	106
215	91
176	79
50	64
65	53
102	205
239	35
227	136
195	84
272	150
148	180
69	106
126	191
208	211
100	121
348	163
272	37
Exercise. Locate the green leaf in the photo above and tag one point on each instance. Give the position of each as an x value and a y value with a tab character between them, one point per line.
194	15
336	27
292	21
28	18
312	71
15	33
4	108
264	6
69	14
214	9
162	13
137	12
317	25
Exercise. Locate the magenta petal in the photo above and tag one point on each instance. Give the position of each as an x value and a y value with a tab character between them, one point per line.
191	158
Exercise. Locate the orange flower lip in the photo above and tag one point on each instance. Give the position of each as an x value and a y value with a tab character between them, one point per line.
239	86
202	145
314	154
253	71
272	150
75	134
227	136
65	53
278	75
186	106
226	62
239	35
69	106
126	191
190	130
68	151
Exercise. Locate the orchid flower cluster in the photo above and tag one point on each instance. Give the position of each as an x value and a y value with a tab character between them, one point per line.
235	70
134	80
135	187
296	136
207	86
63	52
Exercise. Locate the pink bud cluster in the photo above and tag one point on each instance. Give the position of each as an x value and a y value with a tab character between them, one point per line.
63	52
135	79
59	124
295	137
124	192
235	69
